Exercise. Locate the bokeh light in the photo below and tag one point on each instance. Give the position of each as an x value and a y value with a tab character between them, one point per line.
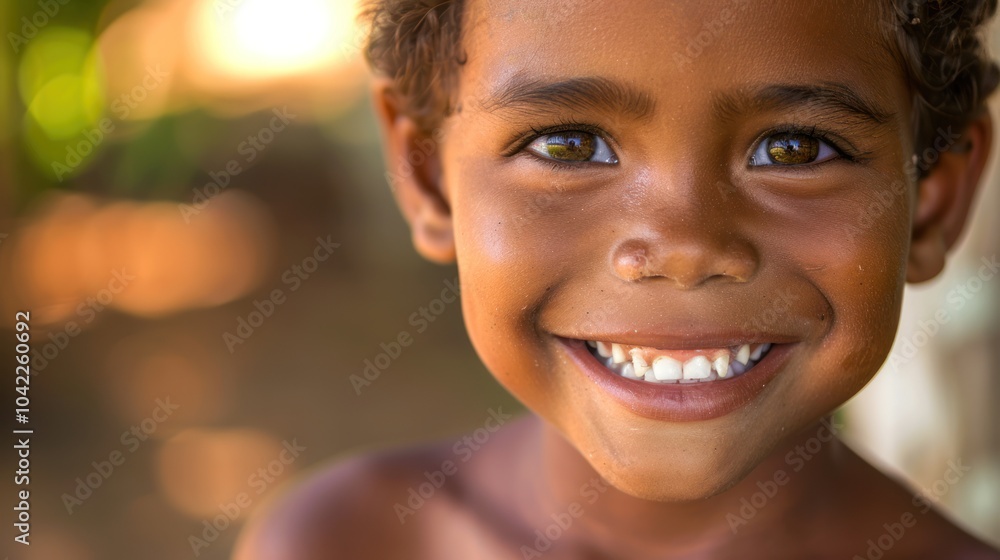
264	38
200	469
59	543
74	246
140	49
61	82
56	51
61	106
154	365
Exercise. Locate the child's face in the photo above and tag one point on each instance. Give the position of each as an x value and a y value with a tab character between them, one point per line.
751	190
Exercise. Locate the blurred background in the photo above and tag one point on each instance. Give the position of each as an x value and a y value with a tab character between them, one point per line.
194	208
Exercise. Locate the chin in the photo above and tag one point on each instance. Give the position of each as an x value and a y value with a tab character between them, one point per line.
672	469
675	486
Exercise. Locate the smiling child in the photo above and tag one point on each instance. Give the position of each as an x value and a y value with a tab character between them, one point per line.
683	231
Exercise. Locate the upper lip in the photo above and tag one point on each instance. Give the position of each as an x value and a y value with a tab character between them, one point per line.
688	340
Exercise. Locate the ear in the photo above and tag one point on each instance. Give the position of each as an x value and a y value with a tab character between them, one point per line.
946	196
413	160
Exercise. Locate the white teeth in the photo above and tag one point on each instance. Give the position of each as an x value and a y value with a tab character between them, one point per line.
642	371
697	368
639	362
633	363
618	354
638	358
628	372
721	365
743	356
666	368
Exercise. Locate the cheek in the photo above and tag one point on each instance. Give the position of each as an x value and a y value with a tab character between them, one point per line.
507	264
521	243
854	251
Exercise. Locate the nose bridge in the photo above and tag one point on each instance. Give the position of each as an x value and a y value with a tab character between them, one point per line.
688	230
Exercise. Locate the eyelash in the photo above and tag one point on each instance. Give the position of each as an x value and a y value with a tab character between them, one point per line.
525	139
850	155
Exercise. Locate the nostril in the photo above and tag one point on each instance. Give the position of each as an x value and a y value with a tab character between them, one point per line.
688	265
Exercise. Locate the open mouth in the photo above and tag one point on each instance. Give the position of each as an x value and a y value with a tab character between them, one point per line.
654	365
703	376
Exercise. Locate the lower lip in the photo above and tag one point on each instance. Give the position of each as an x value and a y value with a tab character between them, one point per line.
681	402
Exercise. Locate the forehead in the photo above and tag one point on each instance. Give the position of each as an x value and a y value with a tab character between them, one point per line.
681	49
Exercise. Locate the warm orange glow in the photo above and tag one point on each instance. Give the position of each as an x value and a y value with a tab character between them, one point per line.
59	543
140	52
264	38
74	248
50	279
200	469
149	366
232	57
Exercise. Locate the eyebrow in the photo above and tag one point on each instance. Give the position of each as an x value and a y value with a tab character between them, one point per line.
840	100
528	96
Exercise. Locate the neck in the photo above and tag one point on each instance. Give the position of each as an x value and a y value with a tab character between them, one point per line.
800	471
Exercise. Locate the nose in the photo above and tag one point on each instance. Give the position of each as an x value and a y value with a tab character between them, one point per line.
688	260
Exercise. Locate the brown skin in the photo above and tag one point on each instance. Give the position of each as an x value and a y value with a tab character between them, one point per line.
681	235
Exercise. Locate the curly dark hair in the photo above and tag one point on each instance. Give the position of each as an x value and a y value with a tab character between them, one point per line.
417	43
940	46
938	43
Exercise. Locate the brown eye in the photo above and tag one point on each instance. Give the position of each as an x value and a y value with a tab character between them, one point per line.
792	149
573	147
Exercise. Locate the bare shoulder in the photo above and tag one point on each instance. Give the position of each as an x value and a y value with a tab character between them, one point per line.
896	521
349	510
944	537
425	501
